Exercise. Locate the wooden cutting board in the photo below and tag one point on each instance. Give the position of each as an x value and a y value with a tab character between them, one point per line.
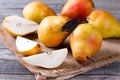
109	52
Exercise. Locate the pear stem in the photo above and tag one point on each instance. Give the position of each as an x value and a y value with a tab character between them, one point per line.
92	60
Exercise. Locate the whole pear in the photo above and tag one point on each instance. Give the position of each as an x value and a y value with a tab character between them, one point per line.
79	9
85	41
50	30
107	24
36	11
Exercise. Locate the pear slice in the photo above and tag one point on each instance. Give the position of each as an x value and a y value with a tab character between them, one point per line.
27	47
51	59
19	26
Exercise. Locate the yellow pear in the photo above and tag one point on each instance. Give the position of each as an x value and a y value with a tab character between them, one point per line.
85	41
36	11
50	30
107	24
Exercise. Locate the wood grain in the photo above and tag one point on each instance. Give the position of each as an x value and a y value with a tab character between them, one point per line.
9	68
16	77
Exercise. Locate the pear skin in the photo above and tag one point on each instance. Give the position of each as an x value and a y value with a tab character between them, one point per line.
107	24
79	9
50	30
85	41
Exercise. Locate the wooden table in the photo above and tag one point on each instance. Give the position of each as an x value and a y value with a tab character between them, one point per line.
12	69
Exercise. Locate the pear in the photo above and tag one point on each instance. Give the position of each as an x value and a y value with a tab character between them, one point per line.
50	30
19	26
36	11
107	24
85	41
51	59
27	47
78	9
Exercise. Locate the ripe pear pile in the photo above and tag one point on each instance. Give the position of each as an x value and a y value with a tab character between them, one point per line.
85	39
78	19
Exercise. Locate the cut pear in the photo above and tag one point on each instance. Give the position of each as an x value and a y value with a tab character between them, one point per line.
51	59
19	26
26	46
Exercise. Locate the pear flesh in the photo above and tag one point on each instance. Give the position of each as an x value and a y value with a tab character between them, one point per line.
19	26
26	46
51	59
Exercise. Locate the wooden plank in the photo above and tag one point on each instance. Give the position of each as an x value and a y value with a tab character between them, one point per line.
13	67
110	69
15	7
4	50
107	2
80	77
96	77
27	1
6	54
18	5
21	6
16	77
1	44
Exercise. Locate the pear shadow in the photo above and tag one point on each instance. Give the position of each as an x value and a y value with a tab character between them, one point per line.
32	36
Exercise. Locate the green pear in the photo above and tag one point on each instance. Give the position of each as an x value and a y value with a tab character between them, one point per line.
85	41
106	23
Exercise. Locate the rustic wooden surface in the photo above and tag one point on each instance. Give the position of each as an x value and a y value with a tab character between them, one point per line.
11	69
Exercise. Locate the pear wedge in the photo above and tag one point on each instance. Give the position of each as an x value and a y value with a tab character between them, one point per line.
19	26
27	47
51	59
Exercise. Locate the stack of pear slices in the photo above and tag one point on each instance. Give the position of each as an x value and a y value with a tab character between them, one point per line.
17	27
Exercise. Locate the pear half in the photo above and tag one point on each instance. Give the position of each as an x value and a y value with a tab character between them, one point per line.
27	47
19	26
51	59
